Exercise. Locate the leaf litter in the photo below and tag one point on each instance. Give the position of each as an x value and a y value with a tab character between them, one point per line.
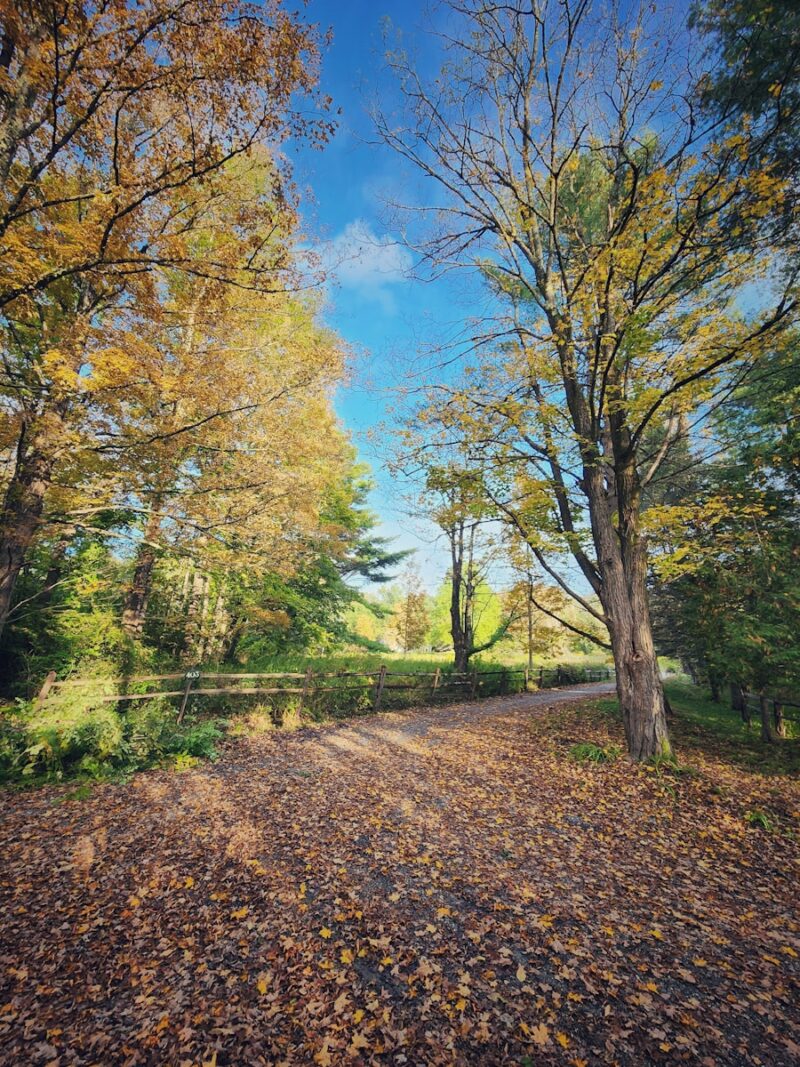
443	886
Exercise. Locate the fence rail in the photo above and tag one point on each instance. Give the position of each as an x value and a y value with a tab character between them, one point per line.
378	686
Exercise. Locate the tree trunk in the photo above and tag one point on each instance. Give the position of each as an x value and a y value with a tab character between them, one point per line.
530	621
713	681
622	558
134	611
21	514
193	632
640	693
768	731
460	656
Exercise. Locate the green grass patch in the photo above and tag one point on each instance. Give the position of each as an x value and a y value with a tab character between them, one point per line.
716	730
588	752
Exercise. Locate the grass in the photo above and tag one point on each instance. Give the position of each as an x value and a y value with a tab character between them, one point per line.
700	725
702	728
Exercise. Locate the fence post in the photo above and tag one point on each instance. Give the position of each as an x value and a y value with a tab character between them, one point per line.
541	677
190	676
436	679
558	677
379	688
48	685
527	678
474	686
777	711
306	687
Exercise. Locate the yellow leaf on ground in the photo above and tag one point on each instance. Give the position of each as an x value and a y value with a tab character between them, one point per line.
522	974
323	1057
359	1041
540	1034
239	914
325	932
341	1002
562	1039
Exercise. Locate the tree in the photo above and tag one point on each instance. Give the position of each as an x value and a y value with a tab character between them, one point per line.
755	79
615	254
118	126
727	567
451	502
412	619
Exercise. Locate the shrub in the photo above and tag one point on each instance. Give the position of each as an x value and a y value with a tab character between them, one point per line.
76	736
185	762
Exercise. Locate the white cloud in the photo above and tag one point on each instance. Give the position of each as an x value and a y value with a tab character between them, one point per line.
367	264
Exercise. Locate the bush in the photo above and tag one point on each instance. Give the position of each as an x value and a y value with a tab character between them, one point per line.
75	737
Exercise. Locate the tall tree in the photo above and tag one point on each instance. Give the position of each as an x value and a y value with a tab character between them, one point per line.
615	253
412	619
118	122
754	78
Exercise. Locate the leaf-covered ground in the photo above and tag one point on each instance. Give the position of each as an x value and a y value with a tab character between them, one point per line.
440	887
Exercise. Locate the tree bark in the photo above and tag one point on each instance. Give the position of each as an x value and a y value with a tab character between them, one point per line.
622	560
460	650
22	513
134	611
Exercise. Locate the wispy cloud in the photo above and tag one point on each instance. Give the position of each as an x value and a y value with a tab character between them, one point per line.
366	264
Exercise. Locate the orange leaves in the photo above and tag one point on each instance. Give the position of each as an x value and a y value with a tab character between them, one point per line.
520	966
540	1035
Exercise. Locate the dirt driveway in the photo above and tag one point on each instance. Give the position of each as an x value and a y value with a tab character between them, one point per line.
441	886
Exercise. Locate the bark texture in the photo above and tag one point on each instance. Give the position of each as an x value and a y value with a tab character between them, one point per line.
22	513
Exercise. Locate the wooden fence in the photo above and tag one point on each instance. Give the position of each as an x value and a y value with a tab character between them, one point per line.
749	706
356	690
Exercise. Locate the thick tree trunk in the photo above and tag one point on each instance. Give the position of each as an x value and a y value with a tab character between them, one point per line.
21	515
641	696
622	558
134	611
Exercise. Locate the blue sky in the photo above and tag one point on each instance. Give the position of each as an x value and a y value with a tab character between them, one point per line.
385	314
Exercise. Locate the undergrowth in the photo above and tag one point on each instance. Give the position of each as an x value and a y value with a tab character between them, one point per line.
72	737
